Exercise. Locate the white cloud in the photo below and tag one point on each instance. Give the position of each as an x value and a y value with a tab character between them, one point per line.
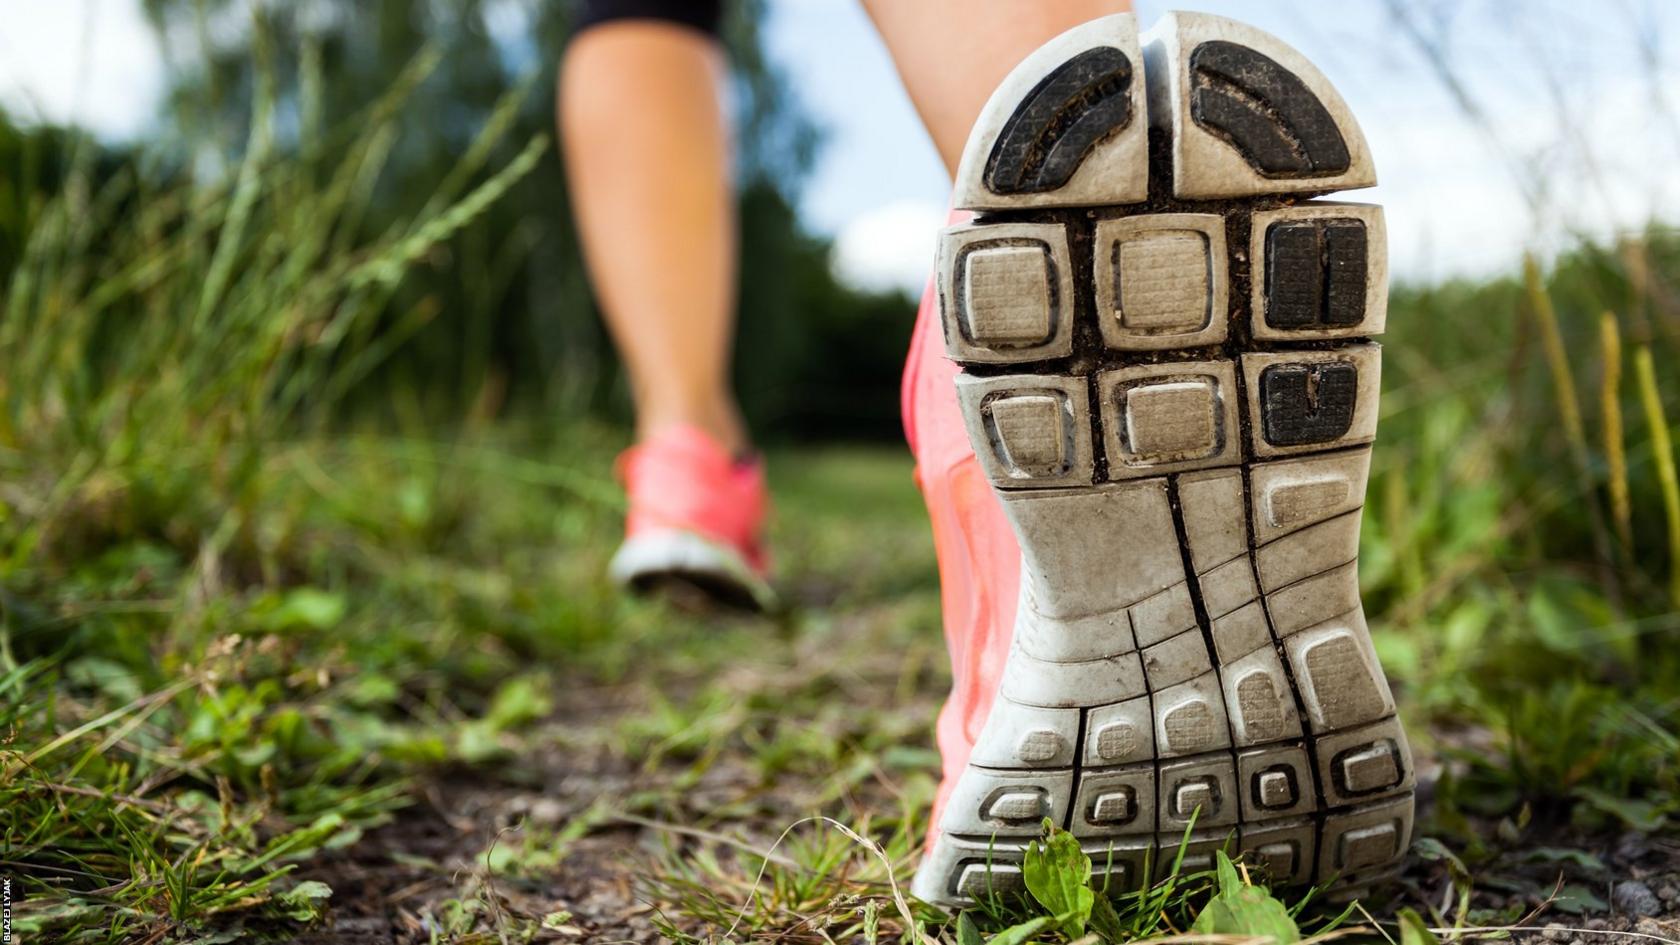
93	63
889	247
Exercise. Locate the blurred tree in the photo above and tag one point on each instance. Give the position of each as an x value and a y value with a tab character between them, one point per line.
514	319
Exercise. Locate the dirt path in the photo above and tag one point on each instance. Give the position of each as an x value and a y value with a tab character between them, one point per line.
626	817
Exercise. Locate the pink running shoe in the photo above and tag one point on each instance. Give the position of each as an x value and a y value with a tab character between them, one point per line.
695	522
1142	398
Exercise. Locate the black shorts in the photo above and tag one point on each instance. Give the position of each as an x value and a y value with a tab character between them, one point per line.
703	15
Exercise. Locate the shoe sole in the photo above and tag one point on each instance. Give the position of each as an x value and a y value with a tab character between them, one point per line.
693	572
1169	379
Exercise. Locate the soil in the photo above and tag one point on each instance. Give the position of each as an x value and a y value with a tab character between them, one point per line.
387	885
392	886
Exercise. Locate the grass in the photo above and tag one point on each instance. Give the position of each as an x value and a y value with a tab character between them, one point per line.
263	661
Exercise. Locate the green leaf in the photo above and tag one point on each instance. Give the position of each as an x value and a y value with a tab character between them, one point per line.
1241	909
305	900
1581	858
967	932
303	608
113	678
1435	851
1229	880
1576	899
1641	815
373	689
1415	931
476	742
1017	934
414	503
519	700
1058	875
1106	921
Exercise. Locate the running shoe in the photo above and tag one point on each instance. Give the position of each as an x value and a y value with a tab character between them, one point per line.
1160	344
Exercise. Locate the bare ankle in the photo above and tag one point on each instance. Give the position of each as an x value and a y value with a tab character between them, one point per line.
721	421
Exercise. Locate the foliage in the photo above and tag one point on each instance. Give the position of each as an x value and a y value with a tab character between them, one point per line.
1058	874
255	600
1516	556
1242	909
1058	878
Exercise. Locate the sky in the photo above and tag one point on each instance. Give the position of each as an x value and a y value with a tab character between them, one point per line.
1569	143
1563	134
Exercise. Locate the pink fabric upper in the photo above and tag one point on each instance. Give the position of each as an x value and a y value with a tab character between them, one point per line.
682	479
979	558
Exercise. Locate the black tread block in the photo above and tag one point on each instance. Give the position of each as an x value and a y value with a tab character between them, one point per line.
1315	273
1345	253
1293	275
1265	111
1255	131
1301	404
1083	101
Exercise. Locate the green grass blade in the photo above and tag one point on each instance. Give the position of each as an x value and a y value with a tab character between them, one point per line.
389	266
1662	447
1615	449
1569	412
249	184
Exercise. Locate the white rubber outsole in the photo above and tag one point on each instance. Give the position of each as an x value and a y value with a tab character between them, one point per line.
674	556
1169	379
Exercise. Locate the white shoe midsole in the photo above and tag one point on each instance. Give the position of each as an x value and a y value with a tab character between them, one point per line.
673	551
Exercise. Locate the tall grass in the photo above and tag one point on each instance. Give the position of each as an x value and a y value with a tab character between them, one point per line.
1502	600
161	560
1532	592
156	319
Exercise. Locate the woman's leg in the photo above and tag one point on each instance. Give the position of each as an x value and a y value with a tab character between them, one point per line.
648	159
951	54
